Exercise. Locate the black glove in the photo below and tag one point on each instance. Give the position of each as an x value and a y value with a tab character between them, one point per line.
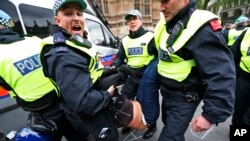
126	69
108	72
121	109
118	100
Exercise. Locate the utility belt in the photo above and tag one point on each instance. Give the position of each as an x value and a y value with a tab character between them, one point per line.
199	89
44	102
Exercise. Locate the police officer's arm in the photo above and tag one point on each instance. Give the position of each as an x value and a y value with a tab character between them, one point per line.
216	68
120	57
225	34
235	48
152	48
70	72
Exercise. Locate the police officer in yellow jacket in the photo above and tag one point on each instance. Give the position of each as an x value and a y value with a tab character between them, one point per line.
194	64
71	63
21	74
242	61
231	35
138	49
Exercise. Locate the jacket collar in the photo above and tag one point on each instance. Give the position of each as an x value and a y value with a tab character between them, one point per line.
137	33
55	29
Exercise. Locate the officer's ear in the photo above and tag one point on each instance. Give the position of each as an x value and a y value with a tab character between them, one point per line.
57	20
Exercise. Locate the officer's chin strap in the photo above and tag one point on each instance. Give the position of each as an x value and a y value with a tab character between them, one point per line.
80	41
36	122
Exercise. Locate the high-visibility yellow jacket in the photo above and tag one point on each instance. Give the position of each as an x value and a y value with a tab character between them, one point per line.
20	67
171	65
136	50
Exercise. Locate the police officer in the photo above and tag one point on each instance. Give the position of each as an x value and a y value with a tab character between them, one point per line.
138	50
22	75
194	64
242	60
231	35
71	63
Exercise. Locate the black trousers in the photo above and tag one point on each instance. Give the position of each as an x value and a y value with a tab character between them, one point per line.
65	129
241	114
131	86
176	115
102	126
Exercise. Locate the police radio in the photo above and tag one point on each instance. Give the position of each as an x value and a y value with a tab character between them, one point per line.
177	29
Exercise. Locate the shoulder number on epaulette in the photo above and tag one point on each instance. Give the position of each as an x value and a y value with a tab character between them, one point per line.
61	49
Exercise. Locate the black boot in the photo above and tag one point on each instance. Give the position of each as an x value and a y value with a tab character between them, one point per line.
150	132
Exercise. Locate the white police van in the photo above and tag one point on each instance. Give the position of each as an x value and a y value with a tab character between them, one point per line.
34	17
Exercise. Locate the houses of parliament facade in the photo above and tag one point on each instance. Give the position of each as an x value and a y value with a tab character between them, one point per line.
113	11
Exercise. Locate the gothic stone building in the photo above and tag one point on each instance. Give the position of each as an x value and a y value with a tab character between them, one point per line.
115	10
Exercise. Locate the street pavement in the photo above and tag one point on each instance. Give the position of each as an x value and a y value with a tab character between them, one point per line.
216	133
17	118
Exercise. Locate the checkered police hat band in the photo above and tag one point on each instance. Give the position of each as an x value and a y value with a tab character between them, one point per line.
4	21
57	5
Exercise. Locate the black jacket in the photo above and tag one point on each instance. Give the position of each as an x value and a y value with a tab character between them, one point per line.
237	55
8	36
68	68
214	67
226	32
